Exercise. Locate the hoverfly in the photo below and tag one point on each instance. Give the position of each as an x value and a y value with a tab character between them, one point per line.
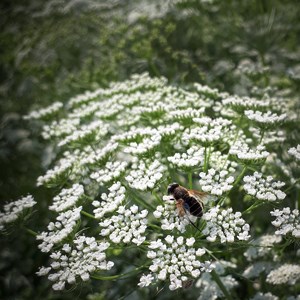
187	201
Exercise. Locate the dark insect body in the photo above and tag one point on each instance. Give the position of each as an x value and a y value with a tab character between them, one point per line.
187	200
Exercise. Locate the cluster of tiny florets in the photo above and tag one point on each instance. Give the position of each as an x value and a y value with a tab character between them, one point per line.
262	246
263	188
78	260
264	119
13	210
111	171
60	229
145	174
216	182
193	157
67	198
244	153
44	112
62	167
295	151
175	260
97	128
226	225
109	201
287	221
285	274
240	104
128	225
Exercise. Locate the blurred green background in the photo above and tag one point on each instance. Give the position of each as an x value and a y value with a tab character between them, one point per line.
53	50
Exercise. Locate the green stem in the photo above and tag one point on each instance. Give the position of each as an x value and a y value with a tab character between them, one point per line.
253	206
219	282
88	215
239	178
31	231
206	158
262	136
117	276
159	200
190	176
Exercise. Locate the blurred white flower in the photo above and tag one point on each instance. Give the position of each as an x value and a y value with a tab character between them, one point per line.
13	210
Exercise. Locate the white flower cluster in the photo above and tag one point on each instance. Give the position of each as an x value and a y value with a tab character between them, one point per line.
188	113
206	90
287	221
216	182
44	112
94	156
111	201
263	119
67	198
240	104
175	260
194	157
259	267
262	246
209	288
226	225
210	132
262	296
76	261
145	174
57	231
14	209
95	128
244	153
285	274
263	188
295	151
218	161
111	171
60	128
63	166
129	225
148	144
270	136
168	215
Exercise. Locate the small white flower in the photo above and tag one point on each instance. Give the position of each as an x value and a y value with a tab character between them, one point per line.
145	280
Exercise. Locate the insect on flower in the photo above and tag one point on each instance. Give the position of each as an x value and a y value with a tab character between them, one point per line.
187	201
